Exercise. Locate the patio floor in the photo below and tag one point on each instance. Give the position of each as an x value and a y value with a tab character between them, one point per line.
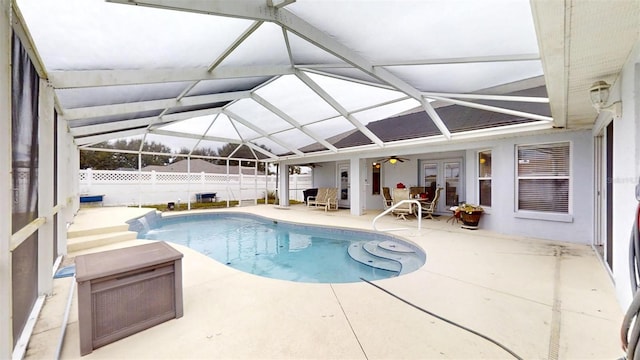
541	299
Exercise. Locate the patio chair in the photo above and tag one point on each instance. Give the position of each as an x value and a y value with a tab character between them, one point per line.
387	200
427	211
332	199
319	199
405	209
326	198
415	191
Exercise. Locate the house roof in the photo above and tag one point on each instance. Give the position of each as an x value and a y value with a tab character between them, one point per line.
291	75
198	166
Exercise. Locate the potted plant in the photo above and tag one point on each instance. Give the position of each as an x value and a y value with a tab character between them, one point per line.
470	215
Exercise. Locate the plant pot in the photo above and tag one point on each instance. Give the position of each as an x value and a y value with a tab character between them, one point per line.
471	218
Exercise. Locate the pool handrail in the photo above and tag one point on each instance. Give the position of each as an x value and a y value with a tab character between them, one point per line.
373	224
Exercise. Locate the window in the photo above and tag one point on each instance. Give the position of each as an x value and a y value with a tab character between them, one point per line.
484	178
544	177
375	172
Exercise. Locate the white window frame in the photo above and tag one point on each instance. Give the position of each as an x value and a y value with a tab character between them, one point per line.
543	215
481	178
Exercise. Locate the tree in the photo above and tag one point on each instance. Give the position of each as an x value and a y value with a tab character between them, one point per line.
201	152
244	152
101	160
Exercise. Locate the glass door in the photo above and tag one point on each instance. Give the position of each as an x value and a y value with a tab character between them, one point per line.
343	180
430	176
445	174
451	183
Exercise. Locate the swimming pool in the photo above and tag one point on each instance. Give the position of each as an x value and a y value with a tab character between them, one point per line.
286	251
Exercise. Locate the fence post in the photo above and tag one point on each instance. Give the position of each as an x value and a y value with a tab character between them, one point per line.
89	180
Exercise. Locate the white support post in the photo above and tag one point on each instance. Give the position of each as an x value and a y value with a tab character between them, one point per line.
255	182
266	183
63	173
139	180
240	183
188	183
283	194
75	183
356	183
45	188
228	187
6	191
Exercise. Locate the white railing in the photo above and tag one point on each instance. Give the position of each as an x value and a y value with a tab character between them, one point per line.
145	188
373	223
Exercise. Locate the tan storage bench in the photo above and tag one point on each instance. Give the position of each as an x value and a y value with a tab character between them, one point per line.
124	291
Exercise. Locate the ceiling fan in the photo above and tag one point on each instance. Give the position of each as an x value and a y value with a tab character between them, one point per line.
393	159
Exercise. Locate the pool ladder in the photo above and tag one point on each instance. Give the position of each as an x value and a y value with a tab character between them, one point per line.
373	224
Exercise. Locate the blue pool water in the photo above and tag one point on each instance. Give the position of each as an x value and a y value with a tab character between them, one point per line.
272	249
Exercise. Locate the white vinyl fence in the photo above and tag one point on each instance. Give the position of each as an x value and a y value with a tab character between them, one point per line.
146	188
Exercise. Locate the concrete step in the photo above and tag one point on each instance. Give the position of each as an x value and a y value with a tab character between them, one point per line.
91	241
75	233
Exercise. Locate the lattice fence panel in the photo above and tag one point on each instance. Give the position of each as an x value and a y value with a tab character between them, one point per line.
172	177
115	176
219	178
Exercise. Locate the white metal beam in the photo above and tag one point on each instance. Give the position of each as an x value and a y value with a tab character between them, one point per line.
46	172
436	119
494	109
236	9
140	122
23	33
261	150
279	3
195	136
235	44
127	108
298	26
531	99
338	107
260	100
93	78
110	136
6	183
464	60
260	131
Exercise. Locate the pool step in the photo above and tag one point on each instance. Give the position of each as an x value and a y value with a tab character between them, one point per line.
395	247
90	241
386	255
359	254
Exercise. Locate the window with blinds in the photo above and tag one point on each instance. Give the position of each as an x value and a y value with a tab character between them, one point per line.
484	178
544	177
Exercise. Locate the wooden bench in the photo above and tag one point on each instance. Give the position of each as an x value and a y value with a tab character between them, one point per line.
205	197
91	199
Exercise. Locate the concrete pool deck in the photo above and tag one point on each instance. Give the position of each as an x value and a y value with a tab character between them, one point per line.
541	299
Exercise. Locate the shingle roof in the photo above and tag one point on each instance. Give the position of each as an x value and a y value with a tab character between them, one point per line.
457	118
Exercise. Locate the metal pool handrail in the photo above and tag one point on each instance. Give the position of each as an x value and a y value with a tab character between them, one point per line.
373	224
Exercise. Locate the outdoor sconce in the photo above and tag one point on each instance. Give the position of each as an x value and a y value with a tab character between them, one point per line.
599	94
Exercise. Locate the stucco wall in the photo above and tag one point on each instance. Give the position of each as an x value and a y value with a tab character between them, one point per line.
502	216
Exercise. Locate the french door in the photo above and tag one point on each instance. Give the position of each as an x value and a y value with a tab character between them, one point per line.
344	185
445	174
